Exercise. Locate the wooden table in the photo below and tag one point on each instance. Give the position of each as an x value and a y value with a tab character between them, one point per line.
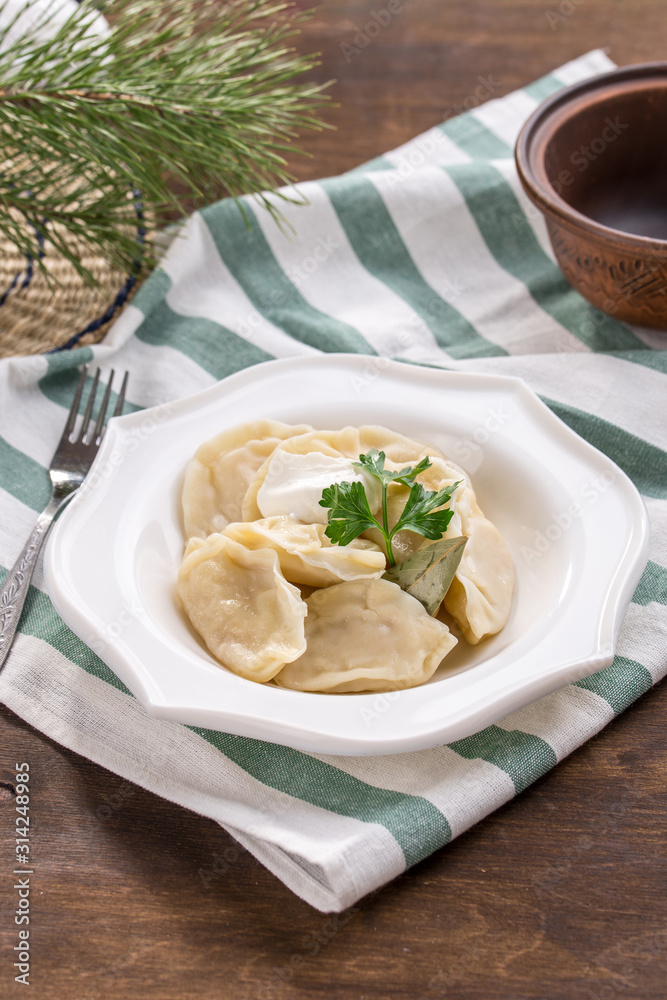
560	895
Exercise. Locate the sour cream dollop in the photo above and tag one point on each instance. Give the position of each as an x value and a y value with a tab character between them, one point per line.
293	485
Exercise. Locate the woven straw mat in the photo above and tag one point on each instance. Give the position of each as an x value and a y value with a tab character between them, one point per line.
37	315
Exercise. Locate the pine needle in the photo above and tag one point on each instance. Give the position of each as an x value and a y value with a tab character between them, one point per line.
95	129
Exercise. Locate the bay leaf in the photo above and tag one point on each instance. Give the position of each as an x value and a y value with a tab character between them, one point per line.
427	574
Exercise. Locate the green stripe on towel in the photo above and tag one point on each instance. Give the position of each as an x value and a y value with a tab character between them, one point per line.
652	586
65	361
23	478
543	88
41	621
60	385
620	684
475	139
510	238
217	350
153	291
524	757
250	259
378	245
415	823
645	464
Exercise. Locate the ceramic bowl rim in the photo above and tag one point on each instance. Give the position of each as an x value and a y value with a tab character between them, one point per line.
540	189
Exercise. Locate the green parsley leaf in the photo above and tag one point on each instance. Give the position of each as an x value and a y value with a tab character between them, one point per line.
349	512
420	514
373	462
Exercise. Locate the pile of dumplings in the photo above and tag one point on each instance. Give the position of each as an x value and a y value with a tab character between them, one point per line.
275	600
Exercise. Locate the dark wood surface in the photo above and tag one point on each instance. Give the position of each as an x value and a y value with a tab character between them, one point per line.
560	895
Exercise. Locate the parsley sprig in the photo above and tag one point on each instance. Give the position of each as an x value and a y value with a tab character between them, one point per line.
350	513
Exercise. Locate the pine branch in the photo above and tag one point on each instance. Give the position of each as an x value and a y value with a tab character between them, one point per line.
189	89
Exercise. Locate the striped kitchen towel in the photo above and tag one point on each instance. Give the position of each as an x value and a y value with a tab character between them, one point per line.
430	254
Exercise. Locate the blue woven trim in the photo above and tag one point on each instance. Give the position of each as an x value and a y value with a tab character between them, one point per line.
121	298
29	271
117	303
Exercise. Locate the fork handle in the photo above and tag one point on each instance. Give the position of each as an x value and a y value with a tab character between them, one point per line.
15	588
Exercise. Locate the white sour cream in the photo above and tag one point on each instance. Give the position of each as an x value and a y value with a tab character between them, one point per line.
294	484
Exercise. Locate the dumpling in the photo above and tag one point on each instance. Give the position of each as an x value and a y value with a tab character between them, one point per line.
249	616
399	449
217	478
293	485
480	596
404	543
367	635
305	553
441	473
346	444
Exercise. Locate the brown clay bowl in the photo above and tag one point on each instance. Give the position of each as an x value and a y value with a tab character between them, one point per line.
593	158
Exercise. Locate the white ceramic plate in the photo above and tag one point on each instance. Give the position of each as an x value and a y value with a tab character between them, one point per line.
575	524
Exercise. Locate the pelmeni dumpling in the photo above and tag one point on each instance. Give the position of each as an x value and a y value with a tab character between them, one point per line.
404	543
217	478
305	553
349	443
441	473
367	635
480	596
293	484
246	612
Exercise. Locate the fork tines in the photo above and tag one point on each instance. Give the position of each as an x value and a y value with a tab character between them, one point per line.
98	430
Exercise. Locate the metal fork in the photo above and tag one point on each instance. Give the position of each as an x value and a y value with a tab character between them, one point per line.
69	465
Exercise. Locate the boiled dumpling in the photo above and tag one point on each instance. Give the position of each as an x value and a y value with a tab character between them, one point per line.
348	443
441	473
248	615
399	449
404	543
305	553
217	478
480	597
293	485
367	635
